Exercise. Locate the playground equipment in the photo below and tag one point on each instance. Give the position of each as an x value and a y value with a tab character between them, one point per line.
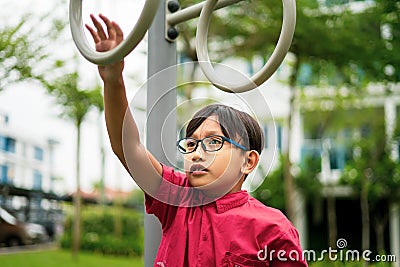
176	16
159	19
285	39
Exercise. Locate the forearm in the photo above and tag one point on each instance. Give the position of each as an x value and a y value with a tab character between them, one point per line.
121	126
119	120
125	139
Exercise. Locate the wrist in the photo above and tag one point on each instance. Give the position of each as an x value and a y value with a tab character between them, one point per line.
114	81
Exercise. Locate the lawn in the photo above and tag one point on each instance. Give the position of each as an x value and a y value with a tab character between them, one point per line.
63	258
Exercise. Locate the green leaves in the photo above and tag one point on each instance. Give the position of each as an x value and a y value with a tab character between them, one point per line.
16	55
341	43
23	52
75	102
371	163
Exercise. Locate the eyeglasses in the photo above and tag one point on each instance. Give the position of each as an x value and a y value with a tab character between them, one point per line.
209	143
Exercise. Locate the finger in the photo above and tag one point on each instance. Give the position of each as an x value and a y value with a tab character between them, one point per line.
99	27
110	27
119	32
94	34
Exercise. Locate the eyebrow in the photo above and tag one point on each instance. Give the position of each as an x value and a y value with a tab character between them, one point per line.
208	133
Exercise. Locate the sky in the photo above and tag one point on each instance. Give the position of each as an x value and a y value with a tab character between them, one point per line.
34	114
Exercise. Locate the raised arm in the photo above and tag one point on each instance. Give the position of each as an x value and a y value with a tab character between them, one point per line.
121	126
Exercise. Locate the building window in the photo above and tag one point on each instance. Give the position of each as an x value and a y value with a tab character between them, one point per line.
310	152
305	74
279	137
7	144
3	174
337	156
38	153
6	174
37	180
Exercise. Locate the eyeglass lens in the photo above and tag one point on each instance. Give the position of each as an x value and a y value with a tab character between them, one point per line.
210	143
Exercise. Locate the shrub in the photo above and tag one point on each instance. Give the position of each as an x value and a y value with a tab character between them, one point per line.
108	230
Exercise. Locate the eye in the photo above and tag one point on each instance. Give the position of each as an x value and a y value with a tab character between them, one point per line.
190	143
214	140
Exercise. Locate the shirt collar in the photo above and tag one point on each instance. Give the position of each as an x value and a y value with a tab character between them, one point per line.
231	200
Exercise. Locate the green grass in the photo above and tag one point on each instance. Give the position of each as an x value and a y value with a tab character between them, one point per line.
63	258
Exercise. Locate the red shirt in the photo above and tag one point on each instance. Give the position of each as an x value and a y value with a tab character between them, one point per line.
234	230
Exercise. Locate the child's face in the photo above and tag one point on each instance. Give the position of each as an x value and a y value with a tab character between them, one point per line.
219	170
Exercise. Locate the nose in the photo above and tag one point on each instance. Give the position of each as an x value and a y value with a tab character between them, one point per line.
198	153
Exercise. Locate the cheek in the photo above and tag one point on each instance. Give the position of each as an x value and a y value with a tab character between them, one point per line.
230	162
227	173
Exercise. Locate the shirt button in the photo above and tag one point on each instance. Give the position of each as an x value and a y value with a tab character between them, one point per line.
205	238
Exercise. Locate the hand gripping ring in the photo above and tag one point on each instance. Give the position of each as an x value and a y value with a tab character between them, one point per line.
124	48
285	39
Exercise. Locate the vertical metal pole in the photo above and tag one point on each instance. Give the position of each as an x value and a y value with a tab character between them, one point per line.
161	103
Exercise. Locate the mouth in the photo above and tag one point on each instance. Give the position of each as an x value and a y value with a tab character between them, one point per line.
198	169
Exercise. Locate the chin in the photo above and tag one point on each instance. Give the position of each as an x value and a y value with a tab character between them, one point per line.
198	181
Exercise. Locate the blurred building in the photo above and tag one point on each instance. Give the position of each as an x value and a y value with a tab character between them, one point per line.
27	183
332	127
313	111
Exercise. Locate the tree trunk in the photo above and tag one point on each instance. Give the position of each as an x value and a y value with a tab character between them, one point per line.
289	189
103	160
380	225
331	210
317	206
365	215
118	227
190	86
77	199
287	166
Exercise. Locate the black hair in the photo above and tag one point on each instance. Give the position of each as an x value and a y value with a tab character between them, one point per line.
236	125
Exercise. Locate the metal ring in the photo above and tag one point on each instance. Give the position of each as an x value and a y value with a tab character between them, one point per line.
281	49
124	48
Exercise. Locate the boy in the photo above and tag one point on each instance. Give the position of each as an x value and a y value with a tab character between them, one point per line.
207	220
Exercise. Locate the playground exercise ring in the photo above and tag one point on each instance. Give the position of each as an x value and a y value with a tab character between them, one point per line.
124	48
281	49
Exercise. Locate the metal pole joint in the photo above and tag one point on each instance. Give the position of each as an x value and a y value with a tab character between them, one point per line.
175	15
171	32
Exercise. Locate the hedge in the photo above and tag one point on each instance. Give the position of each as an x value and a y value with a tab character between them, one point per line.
109	230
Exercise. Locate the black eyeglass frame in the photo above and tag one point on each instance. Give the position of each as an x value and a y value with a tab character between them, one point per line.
224	138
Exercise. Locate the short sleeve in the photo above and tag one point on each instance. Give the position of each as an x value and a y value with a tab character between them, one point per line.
287	251
167	193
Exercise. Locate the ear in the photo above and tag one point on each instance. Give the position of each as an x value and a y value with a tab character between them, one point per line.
251	160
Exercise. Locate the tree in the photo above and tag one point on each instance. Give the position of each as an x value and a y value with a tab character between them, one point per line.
386	69
334	59
98	103
76	104
271	191
329	39
372	174
23	53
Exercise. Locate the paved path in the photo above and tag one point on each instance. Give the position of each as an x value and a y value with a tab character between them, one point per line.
21	249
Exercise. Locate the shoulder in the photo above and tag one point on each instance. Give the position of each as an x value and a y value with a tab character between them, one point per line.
171	184
173	176
265	212
273	227
267	219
